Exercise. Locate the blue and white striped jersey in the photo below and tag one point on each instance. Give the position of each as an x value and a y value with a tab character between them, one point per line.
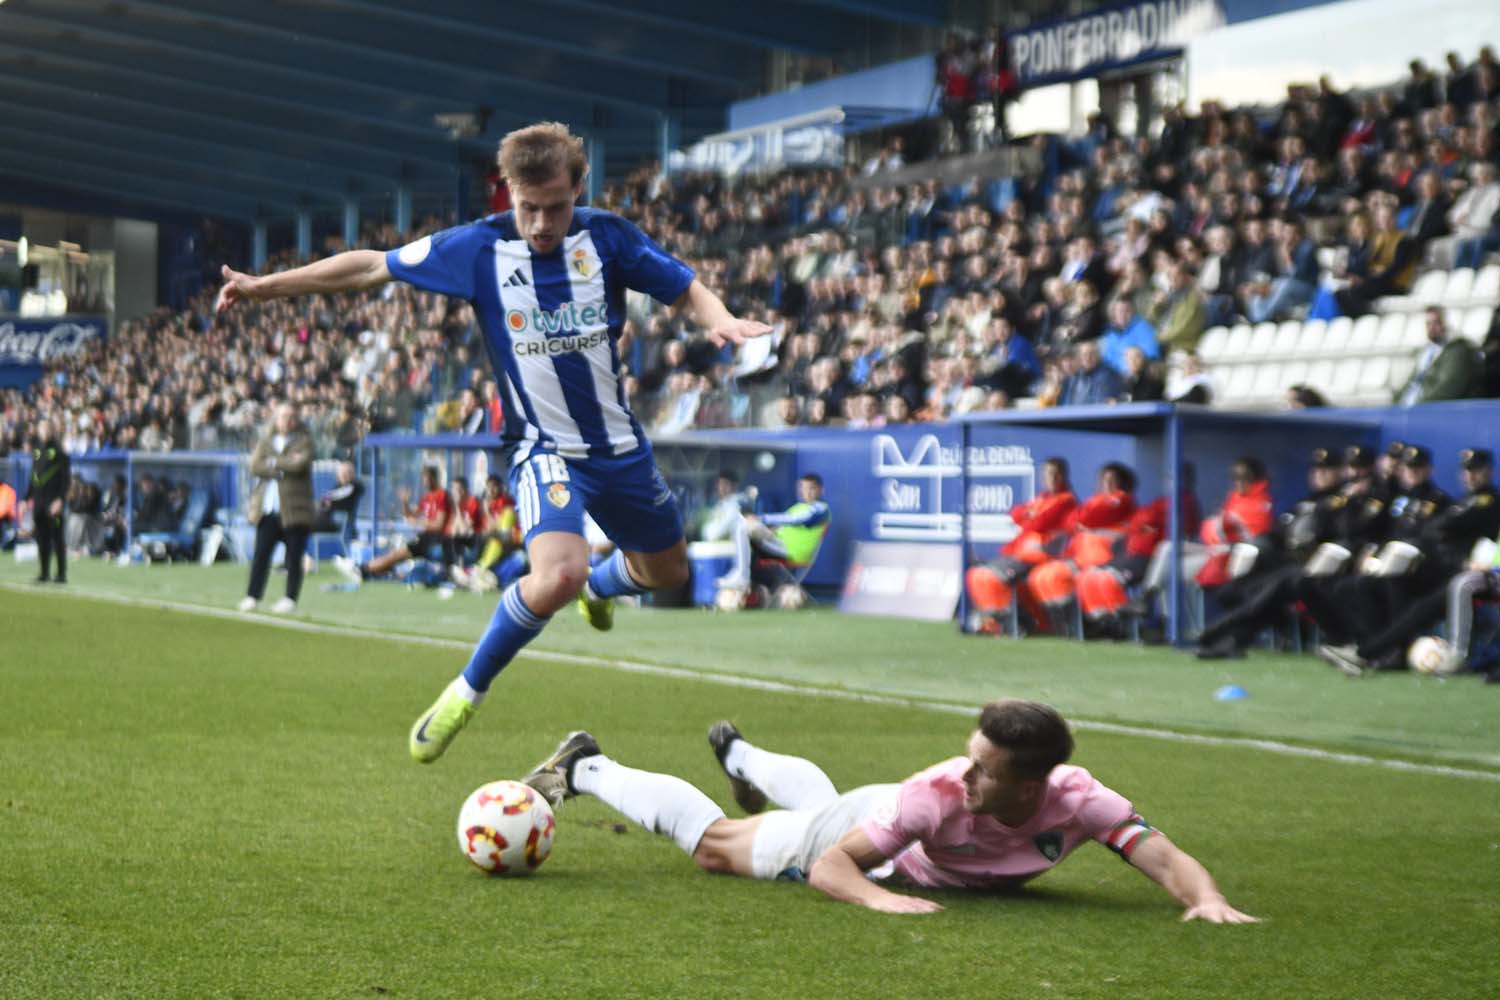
551	321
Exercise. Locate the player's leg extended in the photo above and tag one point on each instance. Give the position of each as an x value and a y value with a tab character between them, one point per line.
789	782
559	565
659	802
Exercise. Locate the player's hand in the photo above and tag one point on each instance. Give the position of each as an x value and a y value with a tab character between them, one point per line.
1217	911
896	903
55	508
237	287
737	331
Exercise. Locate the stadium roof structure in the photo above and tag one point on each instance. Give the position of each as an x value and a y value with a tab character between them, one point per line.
258	111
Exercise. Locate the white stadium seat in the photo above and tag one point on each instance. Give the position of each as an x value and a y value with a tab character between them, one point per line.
1401	369
1362	337
1428	291
1285	344
1375	374
1487	286
1238	343
1476	325
1310	337
1336	339
1211	347
1392	335
1345	378
1460	287
1416	331
1294	373
1241	383
1261	339
1320	375
1267	382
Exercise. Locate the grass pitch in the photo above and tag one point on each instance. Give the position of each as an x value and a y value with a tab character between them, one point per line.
195	806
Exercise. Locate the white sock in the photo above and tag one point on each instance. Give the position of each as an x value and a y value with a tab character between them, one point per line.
461	685
790	782
659	802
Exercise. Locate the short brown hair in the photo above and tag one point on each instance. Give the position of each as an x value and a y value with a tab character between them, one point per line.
537	153
1036	736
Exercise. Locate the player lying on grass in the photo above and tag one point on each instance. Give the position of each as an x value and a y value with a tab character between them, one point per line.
1002	814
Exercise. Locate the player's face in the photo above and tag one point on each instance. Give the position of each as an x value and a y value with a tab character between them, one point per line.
545	211
808	491
990	788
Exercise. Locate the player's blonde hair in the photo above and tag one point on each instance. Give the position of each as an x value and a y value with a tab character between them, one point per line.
537	153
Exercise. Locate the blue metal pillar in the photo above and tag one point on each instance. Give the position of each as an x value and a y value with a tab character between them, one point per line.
304	233
1175	632
403	210
258	253
351	222
595	183
965	435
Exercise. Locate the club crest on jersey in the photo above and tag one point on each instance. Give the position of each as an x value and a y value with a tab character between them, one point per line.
581	263
558	495
1050	844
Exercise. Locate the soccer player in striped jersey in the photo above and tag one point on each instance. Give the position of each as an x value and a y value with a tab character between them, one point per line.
1005	812
548	284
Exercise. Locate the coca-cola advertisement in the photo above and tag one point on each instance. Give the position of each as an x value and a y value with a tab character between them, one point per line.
31	342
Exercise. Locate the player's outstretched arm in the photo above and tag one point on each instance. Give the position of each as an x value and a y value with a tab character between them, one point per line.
350	271
840	874
1189	882
718	323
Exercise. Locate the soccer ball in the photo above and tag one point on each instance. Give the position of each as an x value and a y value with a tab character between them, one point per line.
506	828
791	597
729	599
1432	655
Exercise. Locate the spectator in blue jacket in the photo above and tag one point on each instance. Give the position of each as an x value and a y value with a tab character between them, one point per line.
1094	382
1296	281
1126	329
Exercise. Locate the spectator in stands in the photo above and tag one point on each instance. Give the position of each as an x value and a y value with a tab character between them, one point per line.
1190	384
1470	218
1393	265
430	519
1421	90
1126	330
1447	368
1008	362
1093	383
281	506
1459	88
1294	279
1304	397
1178	312
1141	381
1429	213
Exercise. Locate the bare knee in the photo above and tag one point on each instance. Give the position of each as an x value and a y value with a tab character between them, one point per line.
553	585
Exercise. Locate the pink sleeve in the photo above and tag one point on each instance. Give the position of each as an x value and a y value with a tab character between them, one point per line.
1103	810
919	812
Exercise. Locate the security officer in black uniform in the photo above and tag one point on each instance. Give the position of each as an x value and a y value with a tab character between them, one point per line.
51	475
1271	584
1446	543
1358	604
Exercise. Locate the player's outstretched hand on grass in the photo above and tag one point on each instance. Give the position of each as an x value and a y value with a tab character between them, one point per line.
237	287
1217	911
736	331
894	902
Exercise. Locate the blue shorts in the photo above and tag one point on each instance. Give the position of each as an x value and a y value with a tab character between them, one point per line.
626	495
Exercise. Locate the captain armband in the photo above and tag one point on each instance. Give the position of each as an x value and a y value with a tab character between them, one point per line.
1129	835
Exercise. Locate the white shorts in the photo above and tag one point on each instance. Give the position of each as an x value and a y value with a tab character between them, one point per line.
790	840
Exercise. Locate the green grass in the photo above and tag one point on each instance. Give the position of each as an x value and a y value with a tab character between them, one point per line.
196	807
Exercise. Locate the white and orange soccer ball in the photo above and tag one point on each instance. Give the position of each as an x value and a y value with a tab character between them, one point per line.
1433	655
506	828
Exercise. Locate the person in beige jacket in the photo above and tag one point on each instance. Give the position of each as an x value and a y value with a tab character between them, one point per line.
281	506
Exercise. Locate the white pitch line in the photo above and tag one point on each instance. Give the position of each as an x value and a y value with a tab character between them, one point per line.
779	687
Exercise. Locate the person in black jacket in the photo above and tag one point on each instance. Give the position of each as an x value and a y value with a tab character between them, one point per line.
51	475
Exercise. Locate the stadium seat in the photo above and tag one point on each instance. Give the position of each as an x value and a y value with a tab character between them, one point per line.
1287	335
1428	291
1487	286
1211	347
1336	338
1476	324
1320	375
1294	373
1392	334
1345	378
1460	287
1401	369
1310	337
1362	337
1375	374
1415	334
1241	383
1238	343
1262	338
1268	384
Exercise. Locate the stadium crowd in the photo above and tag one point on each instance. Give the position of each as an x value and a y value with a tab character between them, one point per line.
893	304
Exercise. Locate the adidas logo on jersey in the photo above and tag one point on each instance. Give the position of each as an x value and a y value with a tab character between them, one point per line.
517	279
